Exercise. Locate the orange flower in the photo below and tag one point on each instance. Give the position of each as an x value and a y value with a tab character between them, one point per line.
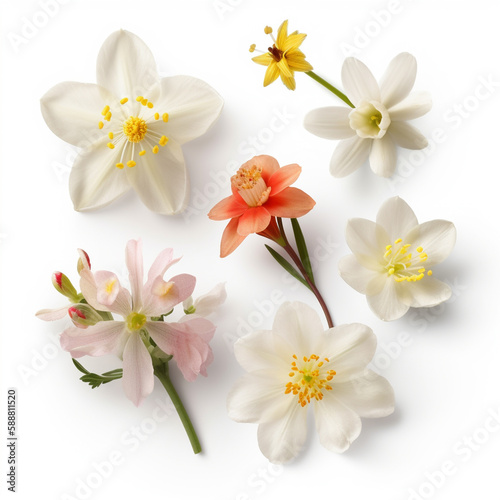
261	191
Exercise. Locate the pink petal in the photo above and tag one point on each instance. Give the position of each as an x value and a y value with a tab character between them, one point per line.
138	377
283	178
254	220
133	259
228	208
187	342
52	314
290	203
164	260
231	240
119	301
97	340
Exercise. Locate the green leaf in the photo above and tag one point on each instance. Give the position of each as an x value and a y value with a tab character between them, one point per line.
287	266
302	248
95	380
79	366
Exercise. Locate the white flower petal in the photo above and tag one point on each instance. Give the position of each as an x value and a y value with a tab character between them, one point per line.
415	105
264	350
407	136
370	395
391	302
258	397
73	110
354	274
427	292
366	239
138	378
53	314
133	260
337	425
161	180
209	302
126	67
359	82
398	79
192	105
350	348
95	181
383	156
282	439
397	218
436	237
329	123
349	155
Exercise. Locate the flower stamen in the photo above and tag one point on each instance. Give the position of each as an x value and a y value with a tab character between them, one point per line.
251	186
401	264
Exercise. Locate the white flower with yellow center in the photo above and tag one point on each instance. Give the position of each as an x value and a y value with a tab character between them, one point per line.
299	365
378	122
131	126
393	259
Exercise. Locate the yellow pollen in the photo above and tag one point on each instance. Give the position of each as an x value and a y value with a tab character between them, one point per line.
156	149
110	135
108	116
131	163
429	273
100	124
139	98
163	140
399	240
150	105
135	129
165	117
252	47
388	247
268	30
120	165
135	321
142	153
157	116
111	145
144	102
401	265
309	382
104	112
419	249
124	100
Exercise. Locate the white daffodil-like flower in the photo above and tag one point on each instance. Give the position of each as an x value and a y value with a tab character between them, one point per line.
378	121
131	126
297	365
393	259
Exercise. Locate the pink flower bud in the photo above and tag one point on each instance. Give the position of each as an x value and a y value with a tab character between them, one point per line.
83	315
83	261
64	286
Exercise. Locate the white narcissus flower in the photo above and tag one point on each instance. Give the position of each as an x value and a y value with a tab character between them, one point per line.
297	365
378	122
131	126
393	258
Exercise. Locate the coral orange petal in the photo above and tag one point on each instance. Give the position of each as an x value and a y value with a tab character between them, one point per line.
254	220
231	240
228	208
290	203
283	178
267	163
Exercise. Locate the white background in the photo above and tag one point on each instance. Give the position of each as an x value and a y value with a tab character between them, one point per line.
442	362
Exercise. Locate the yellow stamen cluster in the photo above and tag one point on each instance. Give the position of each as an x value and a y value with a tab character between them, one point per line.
309	379
247	178
135	321
402	265
133	130
251	185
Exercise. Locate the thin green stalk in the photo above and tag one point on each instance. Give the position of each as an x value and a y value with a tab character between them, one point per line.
164	378
330	87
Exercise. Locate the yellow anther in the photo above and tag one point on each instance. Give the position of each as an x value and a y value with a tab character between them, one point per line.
131	163
421	270
419	249
268	30
108	116
429	273
386	254
135	129
157	116
165	117
291	374
144	102
156	149
399	240
163	140
120	165
150	105
142	153
391	271
104	112
111	145
388	247
139	98
124	100
100	124
252	47
110	135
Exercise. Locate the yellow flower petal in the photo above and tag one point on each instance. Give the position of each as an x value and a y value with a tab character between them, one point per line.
289	82
284	69
297	61
264	59
272	73
293	42
282	34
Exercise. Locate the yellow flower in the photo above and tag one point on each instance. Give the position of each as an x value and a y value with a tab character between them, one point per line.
284	57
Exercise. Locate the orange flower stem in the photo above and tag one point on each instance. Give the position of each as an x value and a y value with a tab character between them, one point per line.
296	259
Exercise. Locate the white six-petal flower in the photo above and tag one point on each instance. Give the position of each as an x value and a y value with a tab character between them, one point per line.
131	126
393	258
377	124
297	365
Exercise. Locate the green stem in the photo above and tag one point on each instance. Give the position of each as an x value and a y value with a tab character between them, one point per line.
330	87
164	378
